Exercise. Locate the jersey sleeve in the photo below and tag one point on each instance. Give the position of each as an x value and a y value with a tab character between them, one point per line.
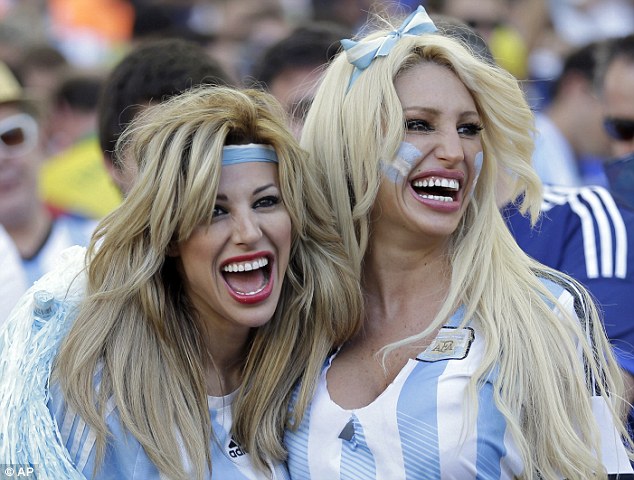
584	233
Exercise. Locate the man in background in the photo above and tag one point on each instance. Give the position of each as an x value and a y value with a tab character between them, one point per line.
615	79
36	232
151	73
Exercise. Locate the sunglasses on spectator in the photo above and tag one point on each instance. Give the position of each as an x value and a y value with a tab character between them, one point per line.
619	128
18	134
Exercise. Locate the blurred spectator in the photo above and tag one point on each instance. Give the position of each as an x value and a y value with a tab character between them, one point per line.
39	69
151	73
12	280
75	179
88	31
22	23
491	20
571	144
37	234
616	84
578	22
290	69
351	14
615	79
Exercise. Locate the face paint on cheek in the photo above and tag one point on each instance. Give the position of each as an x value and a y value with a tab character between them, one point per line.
403	162
477	168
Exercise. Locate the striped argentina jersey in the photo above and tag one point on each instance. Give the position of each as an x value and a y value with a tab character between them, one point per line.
583	232
126	459
416	429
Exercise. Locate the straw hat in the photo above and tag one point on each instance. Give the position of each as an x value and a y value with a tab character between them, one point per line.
12	92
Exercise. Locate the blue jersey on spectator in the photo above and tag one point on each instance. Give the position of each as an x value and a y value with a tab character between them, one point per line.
586	234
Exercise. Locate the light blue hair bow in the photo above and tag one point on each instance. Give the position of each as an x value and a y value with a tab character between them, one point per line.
361	54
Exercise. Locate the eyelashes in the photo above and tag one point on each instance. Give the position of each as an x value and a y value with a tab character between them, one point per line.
268	201
423	126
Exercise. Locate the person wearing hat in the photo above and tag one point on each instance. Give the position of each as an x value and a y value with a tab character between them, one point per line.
38	235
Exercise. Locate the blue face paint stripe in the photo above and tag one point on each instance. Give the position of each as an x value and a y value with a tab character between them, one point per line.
477	164
402	163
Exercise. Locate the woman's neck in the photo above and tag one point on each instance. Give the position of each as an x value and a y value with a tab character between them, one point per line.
403	284
223	368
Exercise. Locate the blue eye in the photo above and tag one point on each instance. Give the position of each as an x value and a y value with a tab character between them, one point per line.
418	126
268	201
470	129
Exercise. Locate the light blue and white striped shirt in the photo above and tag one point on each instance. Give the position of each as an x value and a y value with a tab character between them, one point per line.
126	459
417	427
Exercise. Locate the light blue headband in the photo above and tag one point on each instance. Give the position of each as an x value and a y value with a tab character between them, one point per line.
251	152
361	54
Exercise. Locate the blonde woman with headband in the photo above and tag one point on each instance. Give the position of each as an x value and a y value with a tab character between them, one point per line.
202	300
474	361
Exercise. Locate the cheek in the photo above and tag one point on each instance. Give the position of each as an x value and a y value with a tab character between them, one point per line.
197	254
281	233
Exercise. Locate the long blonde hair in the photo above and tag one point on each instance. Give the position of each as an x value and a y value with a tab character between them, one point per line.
137	324
541	384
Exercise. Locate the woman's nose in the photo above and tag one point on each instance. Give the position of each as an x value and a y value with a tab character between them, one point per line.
246	228
449	148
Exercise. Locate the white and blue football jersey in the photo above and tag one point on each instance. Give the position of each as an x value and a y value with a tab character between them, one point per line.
126	459
41	430
418	427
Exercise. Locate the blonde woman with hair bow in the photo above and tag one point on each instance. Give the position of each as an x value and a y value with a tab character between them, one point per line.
474	361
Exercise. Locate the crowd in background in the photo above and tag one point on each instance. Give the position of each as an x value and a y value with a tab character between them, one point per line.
61	52
42	40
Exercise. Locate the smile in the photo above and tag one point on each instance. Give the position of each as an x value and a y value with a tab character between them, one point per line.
248	280
437	188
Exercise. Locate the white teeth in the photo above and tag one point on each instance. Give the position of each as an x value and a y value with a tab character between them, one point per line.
246	266
253	293
437	197
437	182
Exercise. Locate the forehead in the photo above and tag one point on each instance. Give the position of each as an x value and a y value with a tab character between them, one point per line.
247	176
432	86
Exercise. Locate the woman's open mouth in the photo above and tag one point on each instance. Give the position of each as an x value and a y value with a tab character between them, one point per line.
437	188
249	280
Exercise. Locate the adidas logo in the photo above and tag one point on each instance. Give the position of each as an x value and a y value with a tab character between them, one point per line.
234	449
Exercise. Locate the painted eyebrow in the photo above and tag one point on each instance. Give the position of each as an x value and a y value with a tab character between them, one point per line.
258	190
